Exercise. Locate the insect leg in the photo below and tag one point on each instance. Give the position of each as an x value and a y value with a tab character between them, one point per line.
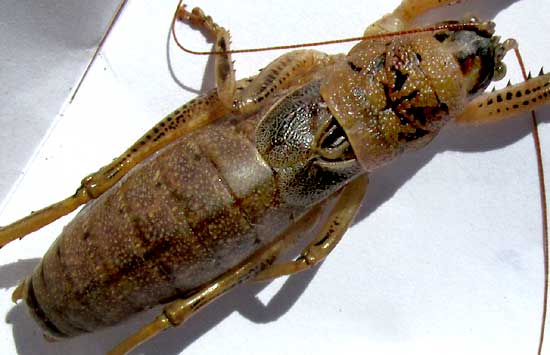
404	14
180	310
340	218
408	10
291	69
194	114
246	96
500	104
224	72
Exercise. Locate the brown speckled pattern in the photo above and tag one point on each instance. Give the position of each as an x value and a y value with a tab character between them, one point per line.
392	95
192	211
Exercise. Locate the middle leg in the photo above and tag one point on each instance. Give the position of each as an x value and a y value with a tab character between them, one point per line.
247	96
331	233
401	18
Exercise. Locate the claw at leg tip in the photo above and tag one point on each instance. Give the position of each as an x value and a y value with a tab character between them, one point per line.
181	12
19	292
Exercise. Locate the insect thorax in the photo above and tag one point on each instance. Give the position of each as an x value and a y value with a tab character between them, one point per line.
305	146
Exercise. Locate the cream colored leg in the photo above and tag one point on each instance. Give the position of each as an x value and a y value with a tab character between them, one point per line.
242	97
195	114
180	310
340	218
501	104
177	312
225	74
408	10
246	96
404	14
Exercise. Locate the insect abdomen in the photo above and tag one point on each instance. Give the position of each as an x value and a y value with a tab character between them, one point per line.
181	218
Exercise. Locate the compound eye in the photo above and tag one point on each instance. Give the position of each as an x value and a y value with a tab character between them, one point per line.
500	72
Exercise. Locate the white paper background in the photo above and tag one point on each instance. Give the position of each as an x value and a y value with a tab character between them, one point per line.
445	257
44	46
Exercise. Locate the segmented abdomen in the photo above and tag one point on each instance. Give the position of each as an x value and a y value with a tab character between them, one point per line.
179	219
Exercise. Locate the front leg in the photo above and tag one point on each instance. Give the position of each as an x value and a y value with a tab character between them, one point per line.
401	18
510	101
409	10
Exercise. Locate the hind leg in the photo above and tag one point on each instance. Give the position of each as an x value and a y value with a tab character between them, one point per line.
180	310
236	97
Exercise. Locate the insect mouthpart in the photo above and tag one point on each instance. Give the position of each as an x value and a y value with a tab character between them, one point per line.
479	53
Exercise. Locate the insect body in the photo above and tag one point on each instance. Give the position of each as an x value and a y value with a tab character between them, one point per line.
411	103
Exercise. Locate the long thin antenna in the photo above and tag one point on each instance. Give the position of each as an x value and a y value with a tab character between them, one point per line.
104	36
544	206
452	26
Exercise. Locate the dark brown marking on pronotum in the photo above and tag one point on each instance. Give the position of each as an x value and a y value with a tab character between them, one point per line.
400	79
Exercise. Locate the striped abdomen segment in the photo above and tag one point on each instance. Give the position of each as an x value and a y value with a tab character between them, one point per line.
179	219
